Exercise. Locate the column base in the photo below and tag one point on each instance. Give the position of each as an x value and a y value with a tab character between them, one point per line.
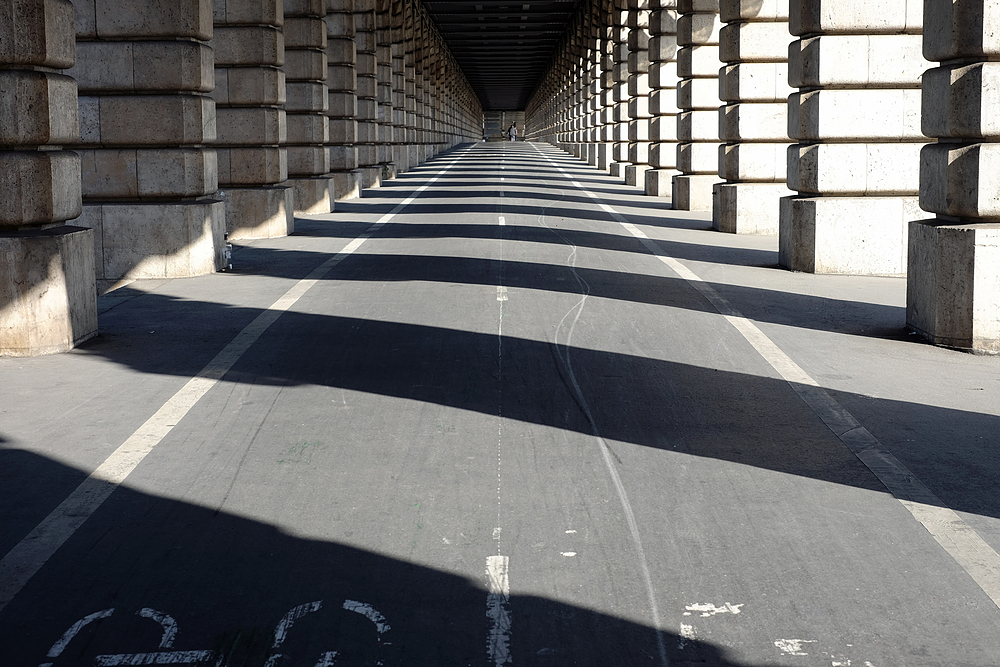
603	159
371	177
312	195
258	213
400	158
635	174
748	208
156	239
693	192
861	236
660	182
617	169
47	291
953	284
346	184
416	155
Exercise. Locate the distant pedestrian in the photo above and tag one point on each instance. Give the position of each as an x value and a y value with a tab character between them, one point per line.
512	132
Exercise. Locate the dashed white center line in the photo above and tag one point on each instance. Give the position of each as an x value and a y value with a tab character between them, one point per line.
501	293
498	609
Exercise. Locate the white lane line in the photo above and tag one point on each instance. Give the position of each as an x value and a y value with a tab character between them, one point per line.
956	536
27	557
498	609
501	293
503	221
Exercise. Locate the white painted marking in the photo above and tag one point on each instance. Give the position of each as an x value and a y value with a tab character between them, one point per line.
792	646
328	659
687	635
501	293
947	528
67	636
503	221
293	614
496	533
707	609
570	532
27	557
498	610
568	554
370	613
161	658
168	623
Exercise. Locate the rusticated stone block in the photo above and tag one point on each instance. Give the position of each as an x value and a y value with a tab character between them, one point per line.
131	173
144	66
249	45
113	19
855	168
307	129
47	287
855	16
260	212
960	101
167	120
37	108
305	65
960	180
252	165
856	60
747	208
241	12
251	125
304	33
953	284
249	86
39	187
37	33
872	114
156	239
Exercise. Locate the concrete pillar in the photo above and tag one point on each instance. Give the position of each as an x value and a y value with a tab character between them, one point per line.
307	104
620	118
150	177
48	299
753	123
856	117
638	93
410	82
368	105
605	148
698	100
594	72
662	98
400	153
383	56
953	267
342	99
249	99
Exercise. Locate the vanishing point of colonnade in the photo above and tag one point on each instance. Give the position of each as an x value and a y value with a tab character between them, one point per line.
134	135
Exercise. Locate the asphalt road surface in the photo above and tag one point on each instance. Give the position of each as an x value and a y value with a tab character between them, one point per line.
502	410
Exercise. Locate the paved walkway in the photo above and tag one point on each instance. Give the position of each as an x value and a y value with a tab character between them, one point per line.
502	410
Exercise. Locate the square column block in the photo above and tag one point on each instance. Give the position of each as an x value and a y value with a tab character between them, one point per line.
872	114
38	108
693	192
698	126
754	42
249	86
156	239
960	180
754	82
346	184
960	101
48	291
855	16
753	162
261	212
312	195
748	208
698	158
659	182
698	94
953	284
845	235
252	165
130	173
635	175
753	121
857	60
39	187
856	169
663	156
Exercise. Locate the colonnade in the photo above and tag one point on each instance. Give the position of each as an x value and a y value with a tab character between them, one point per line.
865	134
135	136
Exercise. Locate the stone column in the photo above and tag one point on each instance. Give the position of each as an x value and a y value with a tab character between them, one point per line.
410	82
342	99
150	178
856	117
307	104
953	268
594	106
383	55
753	122
249	98
698	100
638	92
368	104
605	149
48	300
662	98
619	133
400	154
